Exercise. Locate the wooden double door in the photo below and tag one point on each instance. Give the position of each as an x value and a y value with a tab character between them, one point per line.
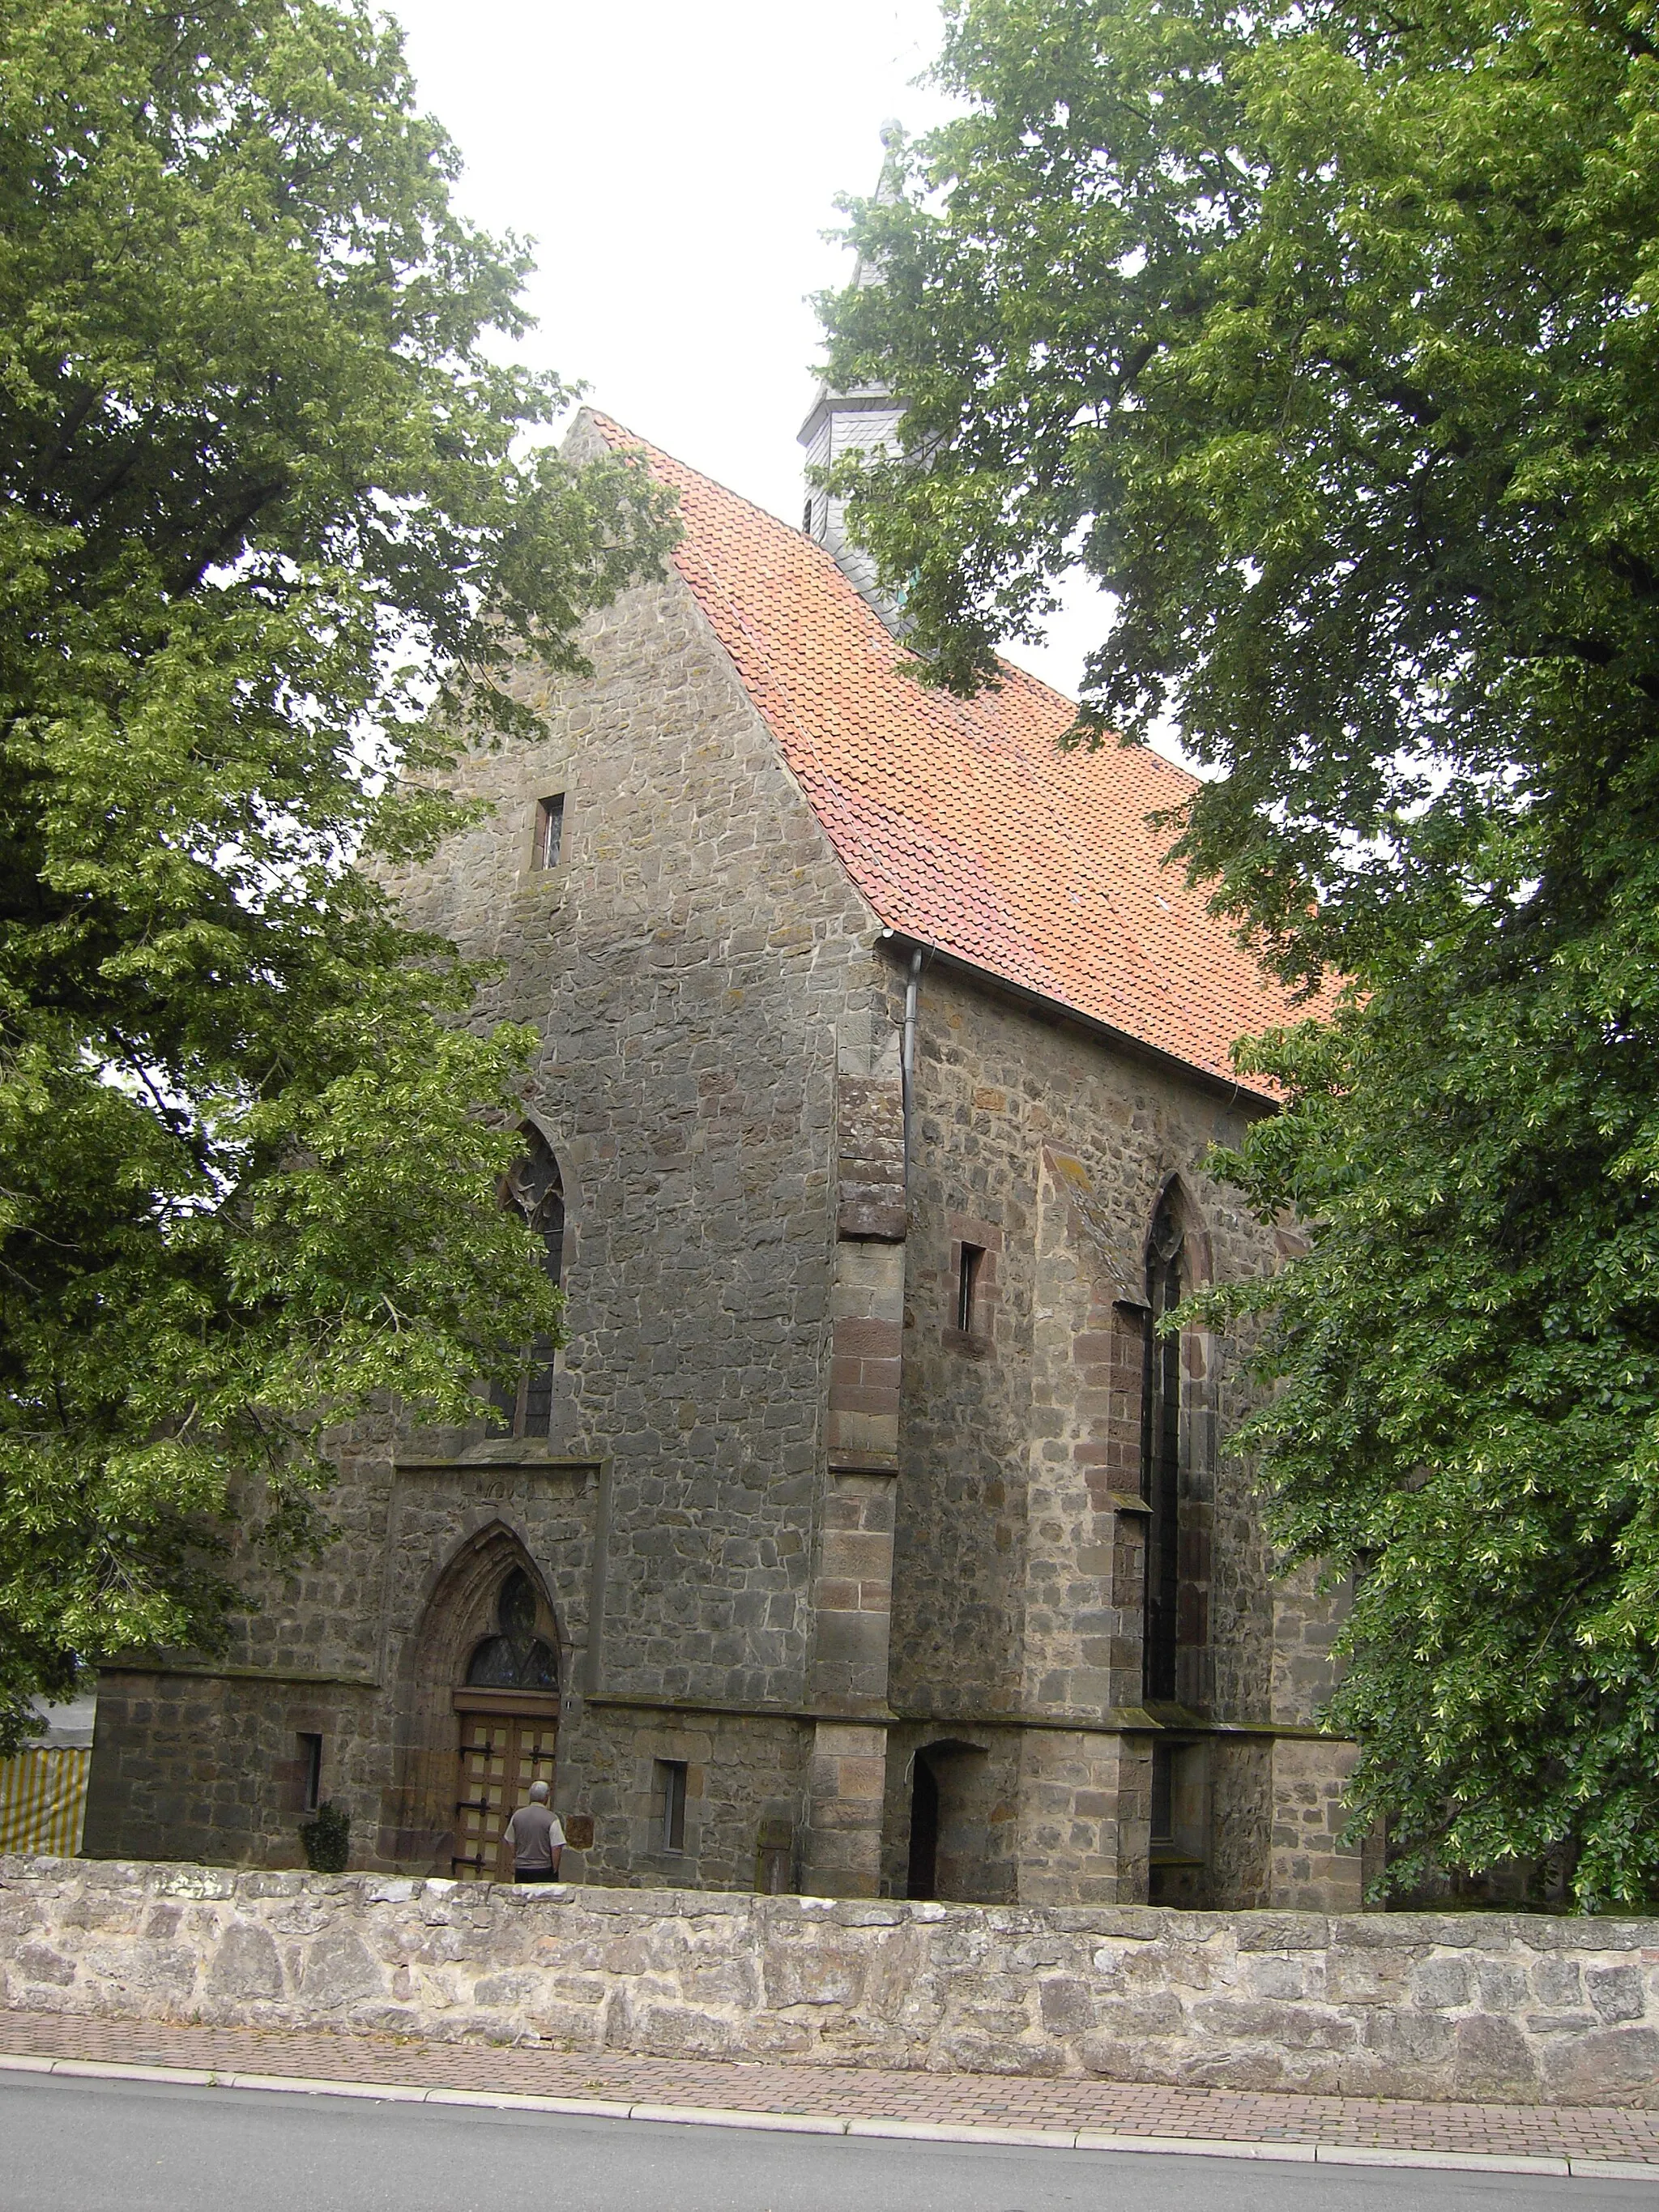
504	1750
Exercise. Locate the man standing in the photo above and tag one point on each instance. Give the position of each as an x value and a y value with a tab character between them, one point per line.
536	1838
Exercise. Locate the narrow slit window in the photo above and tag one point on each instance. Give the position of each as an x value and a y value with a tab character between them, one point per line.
550	831
311	1772
671	1772
967	1269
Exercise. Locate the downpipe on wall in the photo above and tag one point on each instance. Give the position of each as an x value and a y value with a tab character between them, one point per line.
908	1055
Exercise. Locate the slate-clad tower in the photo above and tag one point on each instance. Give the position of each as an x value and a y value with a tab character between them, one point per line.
864	1537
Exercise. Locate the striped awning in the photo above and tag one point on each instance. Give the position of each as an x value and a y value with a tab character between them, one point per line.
43	1800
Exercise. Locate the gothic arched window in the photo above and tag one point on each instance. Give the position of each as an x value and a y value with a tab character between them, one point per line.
515	1657
534	1187
1161	1455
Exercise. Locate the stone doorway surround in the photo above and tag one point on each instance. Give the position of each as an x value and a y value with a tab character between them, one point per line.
460	1746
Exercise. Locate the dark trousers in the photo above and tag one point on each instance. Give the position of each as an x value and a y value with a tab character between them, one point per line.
533	1874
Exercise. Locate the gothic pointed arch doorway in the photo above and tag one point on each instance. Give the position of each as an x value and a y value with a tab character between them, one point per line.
479	1648
508	1708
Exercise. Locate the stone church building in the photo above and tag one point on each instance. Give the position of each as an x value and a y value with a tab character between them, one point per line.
863	1539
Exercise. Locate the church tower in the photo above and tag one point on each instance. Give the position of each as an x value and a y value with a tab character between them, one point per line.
864	421
842	422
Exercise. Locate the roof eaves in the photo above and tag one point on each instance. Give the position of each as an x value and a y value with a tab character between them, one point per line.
1061	1009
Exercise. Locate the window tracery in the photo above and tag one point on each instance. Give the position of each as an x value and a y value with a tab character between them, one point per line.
514	1657
534	1186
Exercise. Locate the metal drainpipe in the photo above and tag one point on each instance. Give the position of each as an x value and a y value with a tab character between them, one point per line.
908	1062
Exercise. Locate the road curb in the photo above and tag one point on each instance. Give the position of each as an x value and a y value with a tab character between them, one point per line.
986	2134
1449	2161
964	2132
1298	2154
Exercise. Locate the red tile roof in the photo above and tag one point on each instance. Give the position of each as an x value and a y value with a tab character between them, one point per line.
961	822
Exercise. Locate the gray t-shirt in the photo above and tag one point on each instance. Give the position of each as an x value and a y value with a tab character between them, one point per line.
534	1835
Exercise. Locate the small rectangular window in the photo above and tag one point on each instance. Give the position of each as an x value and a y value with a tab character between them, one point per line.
968	1285
671	1773
311	1772
550	831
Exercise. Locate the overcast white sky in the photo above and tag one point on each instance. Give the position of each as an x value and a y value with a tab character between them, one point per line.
677	163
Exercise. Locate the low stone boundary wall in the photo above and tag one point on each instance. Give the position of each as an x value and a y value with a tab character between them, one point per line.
1509	2007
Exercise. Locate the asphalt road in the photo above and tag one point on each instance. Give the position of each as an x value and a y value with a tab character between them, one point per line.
80	2146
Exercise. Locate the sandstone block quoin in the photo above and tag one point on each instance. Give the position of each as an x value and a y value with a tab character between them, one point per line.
1512	2008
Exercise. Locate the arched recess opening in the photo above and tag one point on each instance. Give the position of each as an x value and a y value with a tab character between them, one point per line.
949	1822
534	1187
481	1679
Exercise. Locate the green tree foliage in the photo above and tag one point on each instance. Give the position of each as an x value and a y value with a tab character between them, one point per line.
267	516
1325	337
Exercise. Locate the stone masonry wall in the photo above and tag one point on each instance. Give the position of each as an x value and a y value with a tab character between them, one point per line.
1001	1092
189	1761
1507	2008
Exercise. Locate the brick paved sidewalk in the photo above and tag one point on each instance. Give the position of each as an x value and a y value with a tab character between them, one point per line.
1579	2132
